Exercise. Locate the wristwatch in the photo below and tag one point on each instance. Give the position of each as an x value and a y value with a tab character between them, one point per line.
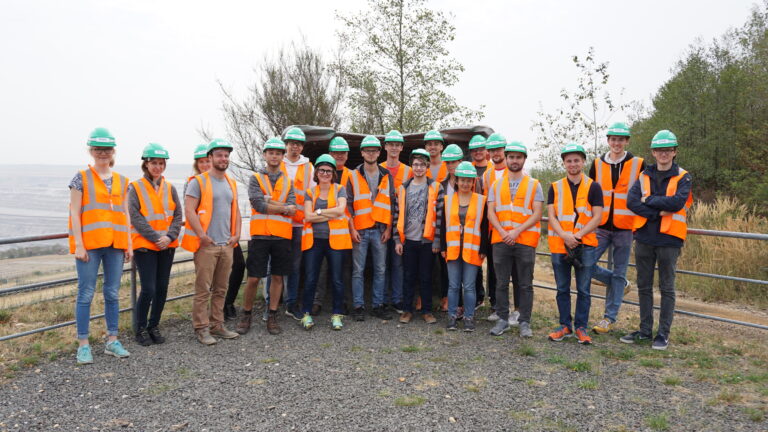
319	212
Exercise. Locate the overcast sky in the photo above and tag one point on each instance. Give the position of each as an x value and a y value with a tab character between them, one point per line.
147	69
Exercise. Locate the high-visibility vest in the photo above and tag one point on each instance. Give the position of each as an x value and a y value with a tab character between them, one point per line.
346	174
103	220
191	241
623	217
514	213
300	185
489	178
367	213
430	220
675	224
571	219
442	174
469	243
272	224
404	172
338	237
157	207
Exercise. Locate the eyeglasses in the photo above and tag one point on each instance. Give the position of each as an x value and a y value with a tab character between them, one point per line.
418	165
102	149
325	171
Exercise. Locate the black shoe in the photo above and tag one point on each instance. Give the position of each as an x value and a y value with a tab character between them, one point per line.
358	314
316	308
345	309
399	308
230	312
381	313
154	334
635	336
451	323
143	338
292	310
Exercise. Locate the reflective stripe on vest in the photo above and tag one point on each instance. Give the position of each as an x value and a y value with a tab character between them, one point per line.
572	216
514	213
469	241
190	241
272	224
675	224
157	207
339	237
623	218
103	221
367	213
430	221
300	184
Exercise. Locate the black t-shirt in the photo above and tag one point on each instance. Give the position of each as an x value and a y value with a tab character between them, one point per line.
594	196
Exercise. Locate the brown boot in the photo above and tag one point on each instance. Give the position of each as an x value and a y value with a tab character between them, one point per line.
272	326
245	323
405	317
429	318
223	332
204	337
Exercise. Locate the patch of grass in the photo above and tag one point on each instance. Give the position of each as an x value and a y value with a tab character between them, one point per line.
159	388
556	359
535	383
52	356
476	385
521	415
624	354
685	336
439	331
5	316
672	380
387	350
384	393
409	401
355	348
701	360
410	349
325	345
579	366
755	414
185	372
757	378
589	384
657	422
30	361
438	359
732	378
270	360
526	351
729	396
729	350
651	363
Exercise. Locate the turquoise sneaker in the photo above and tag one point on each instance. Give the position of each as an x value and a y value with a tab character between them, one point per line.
336	323
84	355
307	322
116	349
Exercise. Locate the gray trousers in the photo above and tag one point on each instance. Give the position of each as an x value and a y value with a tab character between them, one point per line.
646	258
522	258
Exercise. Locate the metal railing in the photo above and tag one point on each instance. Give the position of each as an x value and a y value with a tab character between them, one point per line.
132	270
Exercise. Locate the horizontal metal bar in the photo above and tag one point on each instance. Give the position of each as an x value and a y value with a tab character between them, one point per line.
12	240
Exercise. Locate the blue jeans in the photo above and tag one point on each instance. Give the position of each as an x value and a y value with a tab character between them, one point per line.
461	279
418	261
562	271
313	257
87	273
394	295
369	238
613	280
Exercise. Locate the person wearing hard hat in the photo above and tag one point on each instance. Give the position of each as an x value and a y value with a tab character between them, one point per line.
575	209
417	235
211	231
155	212
463	244
273	204
494	145
479	156
660	198
98	234
616	171
339	151
451	156
515	202
371	193
325	235
433	143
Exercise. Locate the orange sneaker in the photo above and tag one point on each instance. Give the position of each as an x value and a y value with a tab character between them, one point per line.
583	336
560	333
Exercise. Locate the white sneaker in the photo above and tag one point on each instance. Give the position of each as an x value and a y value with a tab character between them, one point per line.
493	317
513	318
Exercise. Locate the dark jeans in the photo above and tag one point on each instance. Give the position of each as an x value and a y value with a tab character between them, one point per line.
562	271
518	260
417	268
313	257
154	269
236	277
646	258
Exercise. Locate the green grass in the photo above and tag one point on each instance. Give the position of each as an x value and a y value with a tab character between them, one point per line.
657	422
589	384
672	381
439	331
526	351
579	366
160	388
651	363
729	396
556	359
623	354
410	349
30	361
410	401
270	360
755	414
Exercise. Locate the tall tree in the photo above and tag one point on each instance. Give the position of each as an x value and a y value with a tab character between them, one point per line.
399	68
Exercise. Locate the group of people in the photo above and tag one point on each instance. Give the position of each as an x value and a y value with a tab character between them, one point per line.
438	214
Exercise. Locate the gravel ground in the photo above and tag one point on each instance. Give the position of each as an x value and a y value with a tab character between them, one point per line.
361	378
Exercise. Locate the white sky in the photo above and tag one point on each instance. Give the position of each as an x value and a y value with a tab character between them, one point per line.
147	69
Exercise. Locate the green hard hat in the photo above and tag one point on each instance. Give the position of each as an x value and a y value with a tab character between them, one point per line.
419	152
274	143
452	153
664	138
573	148
100	137
618	129
433	135
201	151
496	140
516	146
393	136
219	143
477	141
370	141
153	150
325	159
295	134
466	169
338	144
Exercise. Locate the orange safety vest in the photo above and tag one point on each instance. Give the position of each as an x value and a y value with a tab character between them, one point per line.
190	241
623	217
489	178
442	174
513	213
346	174
570	220
675	224
339	236
430	221
366	212
403	173
300	185
272	224
157	207
103	220
469	243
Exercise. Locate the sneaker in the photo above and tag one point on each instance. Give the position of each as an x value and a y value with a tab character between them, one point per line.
84	355
627	286
142	337
292	310
604	326
429	318
336	322
583	336
381	313
513	318
244	326
115	348
272	325
406	317
316	308
469	324
525	330
358	313
399	308
560	333
223	332
493	316
154	333
635	336
500	327
451	324
444	304
307	322
660	343
230	312
204	337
